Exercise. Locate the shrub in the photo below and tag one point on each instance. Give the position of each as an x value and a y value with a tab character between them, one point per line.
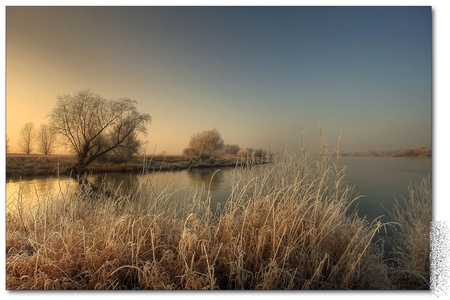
412	238
242	153
259	153
230	149
206	142
189	152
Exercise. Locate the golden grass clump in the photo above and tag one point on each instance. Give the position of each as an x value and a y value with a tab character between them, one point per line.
412	238
286	225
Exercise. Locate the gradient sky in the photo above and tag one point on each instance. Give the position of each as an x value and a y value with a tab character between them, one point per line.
256	74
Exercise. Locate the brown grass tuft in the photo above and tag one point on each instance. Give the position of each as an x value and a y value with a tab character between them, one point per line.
412	239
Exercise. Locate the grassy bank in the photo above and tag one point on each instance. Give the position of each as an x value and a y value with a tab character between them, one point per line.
31	165
286	225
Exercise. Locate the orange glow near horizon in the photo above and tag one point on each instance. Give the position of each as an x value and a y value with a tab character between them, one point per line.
255	81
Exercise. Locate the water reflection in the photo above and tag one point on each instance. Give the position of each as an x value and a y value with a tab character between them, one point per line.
379	179
210	177
214	179
115	183
28	191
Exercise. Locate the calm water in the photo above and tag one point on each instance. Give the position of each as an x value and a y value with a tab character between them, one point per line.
379	179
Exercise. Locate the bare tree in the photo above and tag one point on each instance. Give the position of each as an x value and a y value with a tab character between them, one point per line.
93	126
26	138
206	142
129	148
46	139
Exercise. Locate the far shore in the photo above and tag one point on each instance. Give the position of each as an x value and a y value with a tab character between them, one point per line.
38	164
420	151
18	165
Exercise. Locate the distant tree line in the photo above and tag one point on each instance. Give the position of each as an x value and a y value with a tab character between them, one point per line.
209	145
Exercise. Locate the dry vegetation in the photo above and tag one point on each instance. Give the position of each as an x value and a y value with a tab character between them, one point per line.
286	225
412	238
419	151
36	164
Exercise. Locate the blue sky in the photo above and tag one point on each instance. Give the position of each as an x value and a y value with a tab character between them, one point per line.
256	74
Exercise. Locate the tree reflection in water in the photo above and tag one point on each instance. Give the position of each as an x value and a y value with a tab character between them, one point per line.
117	183
211	177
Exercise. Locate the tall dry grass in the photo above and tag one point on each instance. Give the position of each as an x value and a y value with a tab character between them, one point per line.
286	225
412	237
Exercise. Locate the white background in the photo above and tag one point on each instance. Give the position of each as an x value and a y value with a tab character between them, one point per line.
440	148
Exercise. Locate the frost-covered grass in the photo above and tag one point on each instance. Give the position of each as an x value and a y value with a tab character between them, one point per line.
286	225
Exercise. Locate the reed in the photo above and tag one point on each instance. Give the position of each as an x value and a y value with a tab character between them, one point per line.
286	225
412	237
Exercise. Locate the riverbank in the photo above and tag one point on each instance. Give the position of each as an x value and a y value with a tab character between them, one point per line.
18	165
419	151
287	226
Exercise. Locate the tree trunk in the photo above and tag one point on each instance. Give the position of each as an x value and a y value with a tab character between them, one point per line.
79	169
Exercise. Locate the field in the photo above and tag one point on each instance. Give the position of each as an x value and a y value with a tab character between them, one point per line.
286	225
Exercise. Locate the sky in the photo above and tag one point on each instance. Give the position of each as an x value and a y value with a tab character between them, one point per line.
256	74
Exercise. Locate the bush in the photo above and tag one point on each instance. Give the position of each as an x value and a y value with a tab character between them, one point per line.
242	153
412	237
189	152
259	153
230	149
206	142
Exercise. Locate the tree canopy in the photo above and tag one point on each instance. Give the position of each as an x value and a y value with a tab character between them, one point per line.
93	126
205	143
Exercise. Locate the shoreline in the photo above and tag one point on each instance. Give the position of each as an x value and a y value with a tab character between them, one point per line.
18	165
419	152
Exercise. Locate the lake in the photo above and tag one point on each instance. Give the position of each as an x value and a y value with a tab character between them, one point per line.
380	180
